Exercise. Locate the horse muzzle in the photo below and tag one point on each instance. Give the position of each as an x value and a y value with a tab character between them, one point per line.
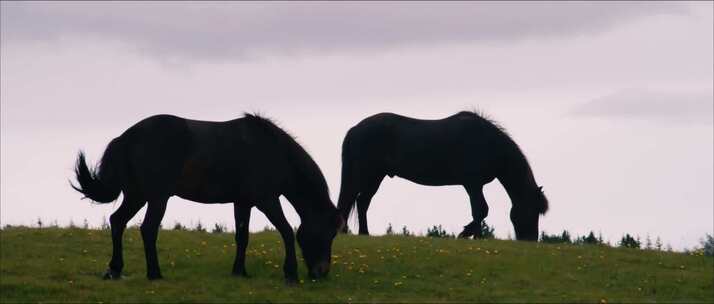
320	270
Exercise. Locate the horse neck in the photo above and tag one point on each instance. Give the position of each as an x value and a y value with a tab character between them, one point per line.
517	178
313	202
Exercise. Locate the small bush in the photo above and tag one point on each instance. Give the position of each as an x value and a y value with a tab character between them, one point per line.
628	241
200	228
708	245
438	232
219	228
487	232
563	238
105	224
178	226
406	232
390	230
648	243
589	239
658	244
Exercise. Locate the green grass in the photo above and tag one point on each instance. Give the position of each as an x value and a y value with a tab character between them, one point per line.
39	265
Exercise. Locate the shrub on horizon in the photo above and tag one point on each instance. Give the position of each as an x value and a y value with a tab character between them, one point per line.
200	228
708	245
628	241
219	228
390	230
563	238
406	232
590	239
487	232
438	232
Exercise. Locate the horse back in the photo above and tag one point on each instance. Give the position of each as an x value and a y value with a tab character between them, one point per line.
431	152
206	162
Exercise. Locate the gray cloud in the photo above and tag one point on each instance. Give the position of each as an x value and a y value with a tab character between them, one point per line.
670	106
231	29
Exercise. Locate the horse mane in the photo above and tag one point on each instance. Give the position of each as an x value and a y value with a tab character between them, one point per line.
299	158
480	116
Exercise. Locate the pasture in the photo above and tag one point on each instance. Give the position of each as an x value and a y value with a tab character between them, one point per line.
66	265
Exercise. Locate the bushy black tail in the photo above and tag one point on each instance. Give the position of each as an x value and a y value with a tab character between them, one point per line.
101	184
346	202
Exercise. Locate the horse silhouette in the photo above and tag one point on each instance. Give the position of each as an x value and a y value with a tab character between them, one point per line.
463	149
247	161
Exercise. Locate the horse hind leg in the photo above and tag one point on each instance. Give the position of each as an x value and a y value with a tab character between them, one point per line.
149	232
479	211
118	220
363	201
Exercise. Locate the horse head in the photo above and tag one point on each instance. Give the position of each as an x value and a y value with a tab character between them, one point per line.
525	213
315	239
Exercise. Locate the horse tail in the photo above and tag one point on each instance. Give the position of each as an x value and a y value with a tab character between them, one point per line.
102	183
346	202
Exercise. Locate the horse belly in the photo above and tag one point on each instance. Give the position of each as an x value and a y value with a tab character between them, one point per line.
442	169
200	185
429	176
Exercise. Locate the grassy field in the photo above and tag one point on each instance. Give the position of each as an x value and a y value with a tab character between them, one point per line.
51	264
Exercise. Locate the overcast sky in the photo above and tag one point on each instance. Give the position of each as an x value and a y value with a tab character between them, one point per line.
611	102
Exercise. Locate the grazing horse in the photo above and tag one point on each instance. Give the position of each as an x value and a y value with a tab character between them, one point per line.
463	149
248	161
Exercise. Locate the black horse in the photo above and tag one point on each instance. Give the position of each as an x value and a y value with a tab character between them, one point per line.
247	161
464	149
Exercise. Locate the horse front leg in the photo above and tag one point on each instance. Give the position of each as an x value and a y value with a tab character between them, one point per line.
241	213
149	233
479	211
118	220
274	212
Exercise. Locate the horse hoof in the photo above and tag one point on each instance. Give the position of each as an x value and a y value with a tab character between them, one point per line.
153	277
292	282
241	274
112	275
